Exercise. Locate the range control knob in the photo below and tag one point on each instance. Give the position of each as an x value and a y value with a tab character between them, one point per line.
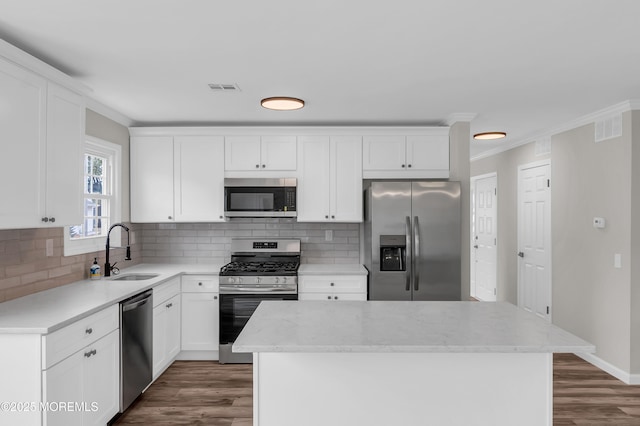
257	280
284	280
231	280
277	280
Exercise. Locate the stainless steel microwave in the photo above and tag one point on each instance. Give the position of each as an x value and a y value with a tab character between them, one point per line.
261	197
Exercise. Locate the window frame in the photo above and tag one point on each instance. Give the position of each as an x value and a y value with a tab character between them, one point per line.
113	153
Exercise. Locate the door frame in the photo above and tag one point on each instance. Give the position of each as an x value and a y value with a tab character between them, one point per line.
472	214
548	234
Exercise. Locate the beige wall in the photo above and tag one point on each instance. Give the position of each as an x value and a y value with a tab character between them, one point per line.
24	266
101	127
459	137
634	259
590	297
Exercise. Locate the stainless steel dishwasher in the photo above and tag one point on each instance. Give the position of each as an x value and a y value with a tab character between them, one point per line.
136	328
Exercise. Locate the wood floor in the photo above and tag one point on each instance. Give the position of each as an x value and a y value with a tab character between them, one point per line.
207	393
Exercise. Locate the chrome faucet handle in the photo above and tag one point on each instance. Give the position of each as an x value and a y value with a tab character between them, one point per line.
115	269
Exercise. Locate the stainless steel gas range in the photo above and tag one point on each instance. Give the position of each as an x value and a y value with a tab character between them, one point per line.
260	269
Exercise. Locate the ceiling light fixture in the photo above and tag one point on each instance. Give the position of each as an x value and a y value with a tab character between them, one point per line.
282	103
486	136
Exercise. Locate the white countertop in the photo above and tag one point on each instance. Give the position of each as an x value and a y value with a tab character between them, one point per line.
377	326
47	311
332	269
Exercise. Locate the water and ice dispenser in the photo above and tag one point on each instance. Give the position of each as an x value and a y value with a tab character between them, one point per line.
393	253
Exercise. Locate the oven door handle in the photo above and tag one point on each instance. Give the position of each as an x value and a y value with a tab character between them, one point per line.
238	290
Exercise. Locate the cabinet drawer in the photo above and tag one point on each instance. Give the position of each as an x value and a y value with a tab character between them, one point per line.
332	284
200	284
334	297
166	291
70	339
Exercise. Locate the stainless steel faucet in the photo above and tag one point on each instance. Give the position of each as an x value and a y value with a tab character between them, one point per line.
107	266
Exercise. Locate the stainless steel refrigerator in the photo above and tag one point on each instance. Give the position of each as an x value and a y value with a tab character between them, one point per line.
412	240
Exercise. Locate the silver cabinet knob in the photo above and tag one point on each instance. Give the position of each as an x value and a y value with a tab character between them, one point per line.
52	219
329	297
169	217
403	166
326	216
221	217
335	297
200	284
257	166
215	297
332	284
521	254
333	217
263	166
409	165
89	330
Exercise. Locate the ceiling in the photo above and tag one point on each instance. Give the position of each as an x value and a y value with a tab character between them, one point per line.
520	67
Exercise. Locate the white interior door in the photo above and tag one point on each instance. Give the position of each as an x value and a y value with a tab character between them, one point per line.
534	238
485	237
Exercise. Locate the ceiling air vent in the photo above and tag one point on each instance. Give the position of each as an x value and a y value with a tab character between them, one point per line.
224	87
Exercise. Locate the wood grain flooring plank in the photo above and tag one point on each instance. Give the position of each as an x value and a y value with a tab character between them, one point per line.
209	393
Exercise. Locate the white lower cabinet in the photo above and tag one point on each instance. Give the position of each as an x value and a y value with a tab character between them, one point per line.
200	317
84	387
166	325
332	287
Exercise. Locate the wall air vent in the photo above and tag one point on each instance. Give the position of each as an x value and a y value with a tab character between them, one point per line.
224	87
608	128
543	146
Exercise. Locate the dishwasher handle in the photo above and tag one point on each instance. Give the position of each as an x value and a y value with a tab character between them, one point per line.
136	301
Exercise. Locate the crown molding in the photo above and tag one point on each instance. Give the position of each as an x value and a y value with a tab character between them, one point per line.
109	112
619	108
460	116
35	65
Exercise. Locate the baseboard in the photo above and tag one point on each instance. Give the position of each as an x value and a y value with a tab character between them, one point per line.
629	379
198	356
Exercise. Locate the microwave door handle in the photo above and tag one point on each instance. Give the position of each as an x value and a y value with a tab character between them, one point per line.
409	254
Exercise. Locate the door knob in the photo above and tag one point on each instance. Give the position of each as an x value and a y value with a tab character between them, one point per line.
521	254
475	246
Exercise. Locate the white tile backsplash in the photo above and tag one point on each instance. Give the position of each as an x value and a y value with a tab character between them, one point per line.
211	242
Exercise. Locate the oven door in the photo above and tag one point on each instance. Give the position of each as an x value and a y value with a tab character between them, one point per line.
235	311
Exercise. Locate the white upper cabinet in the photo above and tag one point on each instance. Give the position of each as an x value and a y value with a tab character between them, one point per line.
330	179
65	136
177	179
199	178
152	179
260	153
411	156
42	134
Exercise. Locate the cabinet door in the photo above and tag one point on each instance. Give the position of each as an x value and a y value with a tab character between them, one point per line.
242	153
65	136
346	179
173	327
278	153
160	332
384	153
152	179
22	136
64	382
428	152
199	178
102	379
313	182
200	321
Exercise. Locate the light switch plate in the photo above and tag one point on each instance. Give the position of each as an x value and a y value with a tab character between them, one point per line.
328	235
599	222
617	260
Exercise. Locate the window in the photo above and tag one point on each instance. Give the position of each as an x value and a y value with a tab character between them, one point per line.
101	195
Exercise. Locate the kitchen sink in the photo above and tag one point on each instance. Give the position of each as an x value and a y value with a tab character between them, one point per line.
134	277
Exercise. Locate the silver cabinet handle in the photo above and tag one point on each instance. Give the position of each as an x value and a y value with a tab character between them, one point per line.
45	219
335	297
48	219
89	330
332	284
416	253
200	284
333	217
215	297
521	254
169	217
257	166
329	297
326	216
91	352
403	166
263	166
409	165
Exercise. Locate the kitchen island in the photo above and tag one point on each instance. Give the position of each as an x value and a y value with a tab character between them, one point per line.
403	363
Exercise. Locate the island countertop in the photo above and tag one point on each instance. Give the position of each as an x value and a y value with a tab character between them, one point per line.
402	327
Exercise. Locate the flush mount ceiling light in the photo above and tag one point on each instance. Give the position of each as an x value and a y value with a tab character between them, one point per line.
282	103
486	136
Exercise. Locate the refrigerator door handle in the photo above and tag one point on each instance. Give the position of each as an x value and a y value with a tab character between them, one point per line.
416	254
409	255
